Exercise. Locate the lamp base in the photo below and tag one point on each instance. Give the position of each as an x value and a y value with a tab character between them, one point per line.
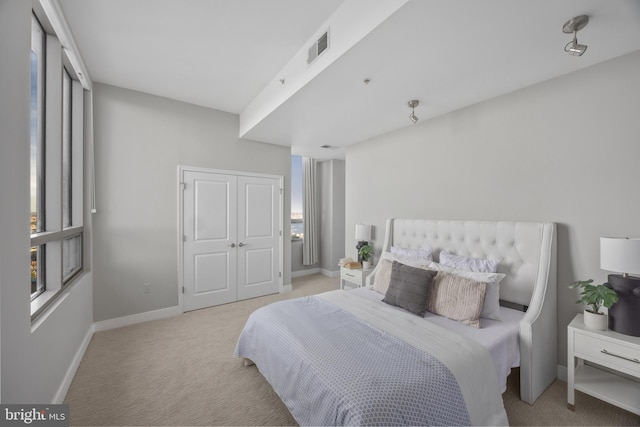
624	316
360	244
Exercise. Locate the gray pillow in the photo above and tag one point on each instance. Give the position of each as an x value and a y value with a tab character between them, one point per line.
409	287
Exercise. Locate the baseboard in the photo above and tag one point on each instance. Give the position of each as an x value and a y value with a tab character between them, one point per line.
286	288
119	322
562	373
58	398
307	272
329	273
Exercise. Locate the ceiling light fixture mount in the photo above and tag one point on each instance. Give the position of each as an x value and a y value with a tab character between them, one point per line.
413	104
574	25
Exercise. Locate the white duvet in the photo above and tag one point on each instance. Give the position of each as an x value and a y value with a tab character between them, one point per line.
500	337
323	360
469	361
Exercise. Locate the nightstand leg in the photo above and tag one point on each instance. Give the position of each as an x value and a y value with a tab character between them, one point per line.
571	373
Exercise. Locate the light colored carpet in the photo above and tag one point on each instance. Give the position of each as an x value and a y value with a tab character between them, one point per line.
181	372
551	409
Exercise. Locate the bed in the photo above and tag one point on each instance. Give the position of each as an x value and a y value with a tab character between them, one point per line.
347	358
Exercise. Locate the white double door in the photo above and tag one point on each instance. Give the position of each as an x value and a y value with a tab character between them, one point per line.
231	237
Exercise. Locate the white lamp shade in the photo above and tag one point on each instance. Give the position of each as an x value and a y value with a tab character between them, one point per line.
363	232
620	254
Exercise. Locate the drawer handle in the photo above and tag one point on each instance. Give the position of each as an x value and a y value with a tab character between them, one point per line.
621	357
349	275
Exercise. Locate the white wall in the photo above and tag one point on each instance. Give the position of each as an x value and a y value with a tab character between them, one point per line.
565	150
35	359
297	266
140	140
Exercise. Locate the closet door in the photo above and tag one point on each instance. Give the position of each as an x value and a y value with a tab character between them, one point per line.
210	239
258	236
231	243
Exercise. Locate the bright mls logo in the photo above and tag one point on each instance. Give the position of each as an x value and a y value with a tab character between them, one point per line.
35	415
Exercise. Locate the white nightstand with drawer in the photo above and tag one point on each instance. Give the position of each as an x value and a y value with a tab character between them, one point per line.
356	276
612	350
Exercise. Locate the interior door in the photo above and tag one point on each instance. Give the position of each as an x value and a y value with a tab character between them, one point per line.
231	238
258	236
210	238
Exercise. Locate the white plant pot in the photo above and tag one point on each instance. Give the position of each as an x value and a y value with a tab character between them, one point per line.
366	265
598	322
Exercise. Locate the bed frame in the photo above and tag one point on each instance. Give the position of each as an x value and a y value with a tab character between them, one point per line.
527	254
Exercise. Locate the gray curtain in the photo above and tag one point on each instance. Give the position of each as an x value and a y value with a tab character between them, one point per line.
309	211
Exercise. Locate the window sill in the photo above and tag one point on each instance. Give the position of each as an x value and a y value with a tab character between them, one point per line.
46	302
41	301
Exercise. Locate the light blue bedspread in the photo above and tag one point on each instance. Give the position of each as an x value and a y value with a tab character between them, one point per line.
334	369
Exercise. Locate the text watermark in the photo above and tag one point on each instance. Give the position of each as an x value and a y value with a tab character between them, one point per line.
34	415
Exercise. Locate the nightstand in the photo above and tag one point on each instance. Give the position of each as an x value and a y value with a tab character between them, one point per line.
618	353
355	276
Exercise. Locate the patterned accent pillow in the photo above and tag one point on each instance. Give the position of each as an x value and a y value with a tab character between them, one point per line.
491	307
424	253
456	298
467	263
409	287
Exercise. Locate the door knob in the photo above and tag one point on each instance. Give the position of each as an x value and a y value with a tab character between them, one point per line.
233	245
241	244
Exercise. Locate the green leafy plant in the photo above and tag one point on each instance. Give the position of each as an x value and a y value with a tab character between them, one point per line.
365	252
595	296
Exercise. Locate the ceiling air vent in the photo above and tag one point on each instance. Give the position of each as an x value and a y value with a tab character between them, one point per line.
318	47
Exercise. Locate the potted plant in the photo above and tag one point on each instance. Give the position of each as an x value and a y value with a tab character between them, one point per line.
595	297
366	253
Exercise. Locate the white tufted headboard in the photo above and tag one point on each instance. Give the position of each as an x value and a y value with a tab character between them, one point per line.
527	255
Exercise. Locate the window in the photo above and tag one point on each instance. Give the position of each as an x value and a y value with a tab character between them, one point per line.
71	246
71	256
37	154
297	219
56	168
66	149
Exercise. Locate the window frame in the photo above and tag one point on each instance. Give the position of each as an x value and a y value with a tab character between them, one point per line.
67	149
63	138
37	142
297	186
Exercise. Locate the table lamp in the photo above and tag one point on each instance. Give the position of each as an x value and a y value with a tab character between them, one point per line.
363	235
622	254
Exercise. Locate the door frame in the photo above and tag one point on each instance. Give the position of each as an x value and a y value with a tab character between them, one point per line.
180	235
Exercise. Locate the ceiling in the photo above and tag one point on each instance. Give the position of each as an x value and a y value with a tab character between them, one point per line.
448	54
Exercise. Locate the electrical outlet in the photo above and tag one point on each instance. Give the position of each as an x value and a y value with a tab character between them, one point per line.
147	288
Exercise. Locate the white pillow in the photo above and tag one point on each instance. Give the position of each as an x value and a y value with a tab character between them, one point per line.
411	261
424	253
491	307
383	276
467	263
